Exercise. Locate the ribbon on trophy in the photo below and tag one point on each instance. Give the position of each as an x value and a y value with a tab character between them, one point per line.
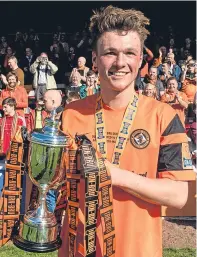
12	191
84	163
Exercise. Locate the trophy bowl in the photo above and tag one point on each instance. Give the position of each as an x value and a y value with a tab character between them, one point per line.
38	230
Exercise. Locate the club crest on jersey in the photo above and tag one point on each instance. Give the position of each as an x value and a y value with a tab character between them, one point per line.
140	138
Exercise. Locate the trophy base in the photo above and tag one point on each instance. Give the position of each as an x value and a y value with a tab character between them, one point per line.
36	247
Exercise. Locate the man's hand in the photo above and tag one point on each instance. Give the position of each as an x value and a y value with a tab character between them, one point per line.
184	68
38	59
160	52
3	78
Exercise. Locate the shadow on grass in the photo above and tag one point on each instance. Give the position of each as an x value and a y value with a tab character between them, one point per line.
191	223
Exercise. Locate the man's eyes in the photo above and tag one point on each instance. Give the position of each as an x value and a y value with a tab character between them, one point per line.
110	53
113	53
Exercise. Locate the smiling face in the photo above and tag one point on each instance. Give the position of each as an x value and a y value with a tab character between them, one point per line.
172	86
153	73
12	64
8	110
149	90
118	58
12	82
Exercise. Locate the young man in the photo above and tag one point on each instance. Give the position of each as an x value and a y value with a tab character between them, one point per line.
91	87
178	100
17	92
155	158
10	124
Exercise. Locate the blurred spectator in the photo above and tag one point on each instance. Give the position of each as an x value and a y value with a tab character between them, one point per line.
71	59
91	87
17	92
25	64
9	52
162	55
147	57
189	80
63	43
151	78
59	31
189	70
43	71
25	37
75	82
150	90
13	67
3	40
37	48
188	47
57	56
10	123
19	45
178	100
170	68
72	96
81	69
32	37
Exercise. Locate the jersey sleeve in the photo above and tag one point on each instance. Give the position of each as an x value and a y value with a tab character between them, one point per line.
174	161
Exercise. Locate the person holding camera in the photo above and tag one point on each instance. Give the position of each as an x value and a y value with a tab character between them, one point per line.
43	71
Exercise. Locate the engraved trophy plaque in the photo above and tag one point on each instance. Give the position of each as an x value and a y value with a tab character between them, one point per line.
38	231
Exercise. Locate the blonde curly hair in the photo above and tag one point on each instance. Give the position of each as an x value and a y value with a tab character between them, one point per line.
116	19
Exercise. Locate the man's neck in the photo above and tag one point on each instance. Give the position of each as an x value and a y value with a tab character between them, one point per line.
11	88
15	68
81	68
115	99
11	114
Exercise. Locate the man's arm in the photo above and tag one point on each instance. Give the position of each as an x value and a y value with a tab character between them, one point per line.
34	66
53	67
3	79
182	100
24	102
83	78
158	191
150	55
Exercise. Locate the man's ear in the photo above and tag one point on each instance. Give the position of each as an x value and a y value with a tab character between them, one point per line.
94	59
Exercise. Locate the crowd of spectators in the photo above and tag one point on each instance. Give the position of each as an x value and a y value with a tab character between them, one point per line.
32	63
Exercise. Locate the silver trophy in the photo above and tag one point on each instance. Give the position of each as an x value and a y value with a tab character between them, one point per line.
38	231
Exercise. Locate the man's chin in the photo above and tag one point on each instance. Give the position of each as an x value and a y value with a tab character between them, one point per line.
120	87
